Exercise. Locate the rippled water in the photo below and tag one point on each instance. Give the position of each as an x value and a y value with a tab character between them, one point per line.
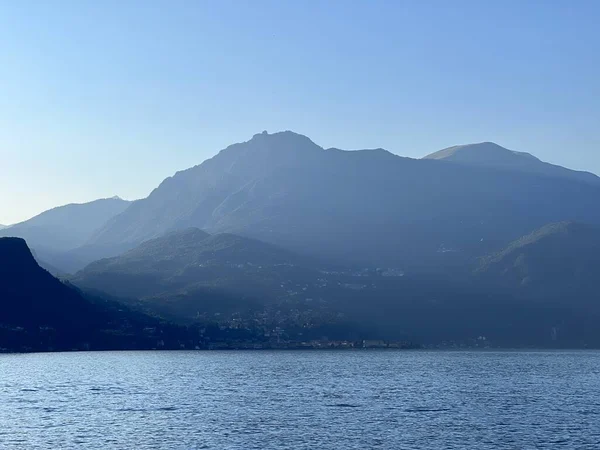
301	400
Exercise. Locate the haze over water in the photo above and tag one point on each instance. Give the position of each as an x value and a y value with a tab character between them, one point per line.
301	400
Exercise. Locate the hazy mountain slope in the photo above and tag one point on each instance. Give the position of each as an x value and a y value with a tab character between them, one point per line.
66	227
71	261
192	263
193	197
489	154
368	207
54	271
558	260
39	313
194	246
2	227
245	284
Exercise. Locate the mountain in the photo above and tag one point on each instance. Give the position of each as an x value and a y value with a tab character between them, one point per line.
39	313
58	235
243	284
66	227
366	207
558	261
192	269
205	193
71	261
2	227
489	154
54	271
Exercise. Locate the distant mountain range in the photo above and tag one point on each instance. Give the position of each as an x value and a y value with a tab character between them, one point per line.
365	207
279	239
58	234
66	227
369	207
488	154
2	227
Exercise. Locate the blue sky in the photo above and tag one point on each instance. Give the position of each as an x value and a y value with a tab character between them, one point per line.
103	98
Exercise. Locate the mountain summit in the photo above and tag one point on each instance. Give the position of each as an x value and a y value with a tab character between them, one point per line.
489	154
205	193
484	152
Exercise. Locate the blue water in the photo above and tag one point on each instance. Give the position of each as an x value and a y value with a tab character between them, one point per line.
301	400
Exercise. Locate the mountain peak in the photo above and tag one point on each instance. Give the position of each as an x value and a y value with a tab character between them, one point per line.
479	152
265	152
15	256
281	137
261	135
492	155
13	244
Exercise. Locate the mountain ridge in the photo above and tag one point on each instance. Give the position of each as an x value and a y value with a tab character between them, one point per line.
488	146
557	261
180	259
490	154
370	207
66	227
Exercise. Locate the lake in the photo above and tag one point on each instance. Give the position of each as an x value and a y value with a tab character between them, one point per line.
301	400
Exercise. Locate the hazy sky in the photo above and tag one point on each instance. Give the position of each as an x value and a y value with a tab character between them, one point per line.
103	98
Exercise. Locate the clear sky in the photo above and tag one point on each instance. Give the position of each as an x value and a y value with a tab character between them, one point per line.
103	98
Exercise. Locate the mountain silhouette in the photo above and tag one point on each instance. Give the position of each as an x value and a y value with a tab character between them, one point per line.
39	313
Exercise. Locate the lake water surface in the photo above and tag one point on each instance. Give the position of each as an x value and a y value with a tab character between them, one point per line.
301	400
